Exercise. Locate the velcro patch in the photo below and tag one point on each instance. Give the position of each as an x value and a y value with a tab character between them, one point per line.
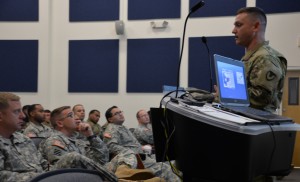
107	135
57	143
30	135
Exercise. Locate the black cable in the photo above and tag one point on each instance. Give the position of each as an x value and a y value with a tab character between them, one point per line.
167	94
168	136
274	147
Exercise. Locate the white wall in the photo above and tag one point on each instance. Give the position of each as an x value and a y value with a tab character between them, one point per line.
54	31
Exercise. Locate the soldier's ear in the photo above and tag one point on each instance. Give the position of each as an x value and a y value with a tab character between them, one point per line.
59	123
257	26
109	120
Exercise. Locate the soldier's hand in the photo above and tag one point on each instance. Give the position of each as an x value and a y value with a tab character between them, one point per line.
216	94
85	129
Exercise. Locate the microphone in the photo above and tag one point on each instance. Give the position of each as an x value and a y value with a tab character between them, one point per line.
193	9
204	40
197	6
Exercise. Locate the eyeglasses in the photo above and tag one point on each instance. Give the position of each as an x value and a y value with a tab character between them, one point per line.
145	115
117	113
69	115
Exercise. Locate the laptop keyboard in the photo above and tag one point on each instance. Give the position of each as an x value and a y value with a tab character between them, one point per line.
249	110
256	114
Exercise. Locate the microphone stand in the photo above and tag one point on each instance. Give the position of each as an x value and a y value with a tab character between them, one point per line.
204	40
193	9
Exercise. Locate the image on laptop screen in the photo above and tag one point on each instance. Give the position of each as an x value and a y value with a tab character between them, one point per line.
231	80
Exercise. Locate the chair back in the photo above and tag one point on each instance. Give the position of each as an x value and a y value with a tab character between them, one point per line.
37	140
69	175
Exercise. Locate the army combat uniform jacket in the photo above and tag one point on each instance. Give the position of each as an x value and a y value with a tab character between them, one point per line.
265	72
144	134
97	129
19	159
119	138
34	130
58	144
62	151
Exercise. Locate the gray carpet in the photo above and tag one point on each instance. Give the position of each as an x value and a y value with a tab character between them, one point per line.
294	176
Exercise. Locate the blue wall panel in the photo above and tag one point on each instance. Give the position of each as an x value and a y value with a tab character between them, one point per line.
152	63
218	7
279	6
19	10
93	65
19	65
198	68
153	9
94	10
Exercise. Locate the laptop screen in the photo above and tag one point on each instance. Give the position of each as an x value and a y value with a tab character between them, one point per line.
231	81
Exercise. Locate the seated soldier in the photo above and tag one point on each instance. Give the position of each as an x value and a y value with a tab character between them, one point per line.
61	143
143	132
26	120
118	138
36	117
94	117
79	111
46	121
20	160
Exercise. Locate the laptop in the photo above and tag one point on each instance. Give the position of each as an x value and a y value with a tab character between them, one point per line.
233	92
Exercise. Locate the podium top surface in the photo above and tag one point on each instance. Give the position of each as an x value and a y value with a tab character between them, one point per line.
226	120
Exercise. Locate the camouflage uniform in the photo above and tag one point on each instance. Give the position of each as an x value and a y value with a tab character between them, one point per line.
96	128
47	124
94	152
265	71
104	126
57	145
76	160
119	138
144	134
79	136
34	130
19	159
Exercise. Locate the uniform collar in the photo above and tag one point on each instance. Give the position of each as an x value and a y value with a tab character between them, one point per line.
251	52
15	138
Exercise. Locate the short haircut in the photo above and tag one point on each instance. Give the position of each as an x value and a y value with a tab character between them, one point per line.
137	114
255	12
56	114
73	109
47	111
25	108
108	113
31	108
5	97
93	111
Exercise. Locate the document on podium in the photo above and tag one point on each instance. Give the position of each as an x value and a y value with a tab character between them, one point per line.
223	115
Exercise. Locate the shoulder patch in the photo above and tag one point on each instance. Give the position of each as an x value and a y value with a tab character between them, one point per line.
31	135
270	76
57	143
107	135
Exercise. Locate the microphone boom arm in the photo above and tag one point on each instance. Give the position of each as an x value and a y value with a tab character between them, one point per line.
193	9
